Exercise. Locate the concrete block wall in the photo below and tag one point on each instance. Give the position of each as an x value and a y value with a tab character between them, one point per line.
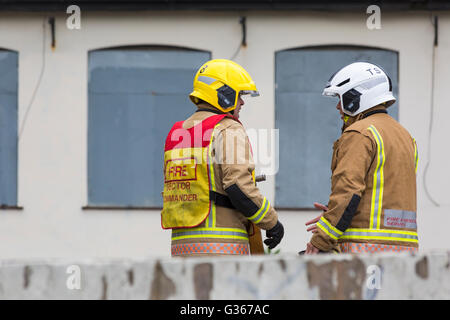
380	276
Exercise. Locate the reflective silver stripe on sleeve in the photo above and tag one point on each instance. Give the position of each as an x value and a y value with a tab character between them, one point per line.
331	232
259	215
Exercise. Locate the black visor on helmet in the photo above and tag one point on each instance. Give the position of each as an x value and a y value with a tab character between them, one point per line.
350	100
226	96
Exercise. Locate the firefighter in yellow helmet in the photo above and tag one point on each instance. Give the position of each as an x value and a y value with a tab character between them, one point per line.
210	200
372	206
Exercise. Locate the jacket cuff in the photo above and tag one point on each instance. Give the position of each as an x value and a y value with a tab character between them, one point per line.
322	244
269	221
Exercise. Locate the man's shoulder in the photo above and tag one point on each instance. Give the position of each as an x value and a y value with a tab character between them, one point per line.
195	118
358	131
359	126
366	125
229	123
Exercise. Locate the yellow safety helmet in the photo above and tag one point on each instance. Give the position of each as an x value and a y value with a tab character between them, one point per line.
220	82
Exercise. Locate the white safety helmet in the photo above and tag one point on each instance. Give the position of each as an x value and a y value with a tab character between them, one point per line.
360	86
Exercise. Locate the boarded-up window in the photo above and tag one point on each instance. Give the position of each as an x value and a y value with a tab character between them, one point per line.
8	127
308	122
135	96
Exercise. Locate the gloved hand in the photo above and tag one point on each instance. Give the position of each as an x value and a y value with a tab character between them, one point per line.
274	235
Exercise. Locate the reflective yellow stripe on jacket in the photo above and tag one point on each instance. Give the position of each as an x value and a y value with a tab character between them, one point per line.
222	233
416	155
261	213
211	219
378	182
326	227
381	234
367	234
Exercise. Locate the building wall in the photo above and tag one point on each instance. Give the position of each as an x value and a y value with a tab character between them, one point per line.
52	171
388	276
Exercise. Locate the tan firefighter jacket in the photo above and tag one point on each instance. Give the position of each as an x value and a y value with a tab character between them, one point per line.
235	200
373	185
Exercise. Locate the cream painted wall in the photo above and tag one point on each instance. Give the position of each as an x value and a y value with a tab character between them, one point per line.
53	148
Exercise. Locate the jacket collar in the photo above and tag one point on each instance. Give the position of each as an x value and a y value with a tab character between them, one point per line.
209	108
351	120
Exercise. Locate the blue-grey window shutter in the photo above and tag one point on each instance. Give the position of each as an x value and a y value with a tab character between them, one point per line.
8	127
135	96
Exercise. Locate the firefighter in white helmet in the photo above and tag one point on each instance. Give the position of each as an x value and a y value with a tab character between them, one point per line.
372	205
210	198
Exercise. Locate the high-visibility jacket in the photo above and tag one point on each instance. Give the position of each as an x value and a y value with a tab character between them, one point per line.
188	174
372	206
208	199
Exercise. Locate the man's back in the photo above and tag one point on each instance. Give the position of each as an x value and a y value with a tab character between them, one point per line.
388	197
393	163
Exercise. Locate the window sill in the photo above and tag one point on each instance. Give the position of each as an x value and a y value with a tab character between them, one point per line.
5	207
115	208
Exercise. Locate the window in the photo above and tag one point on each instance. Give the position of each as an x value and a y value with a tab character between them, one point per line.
308	123
8	128
135	95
